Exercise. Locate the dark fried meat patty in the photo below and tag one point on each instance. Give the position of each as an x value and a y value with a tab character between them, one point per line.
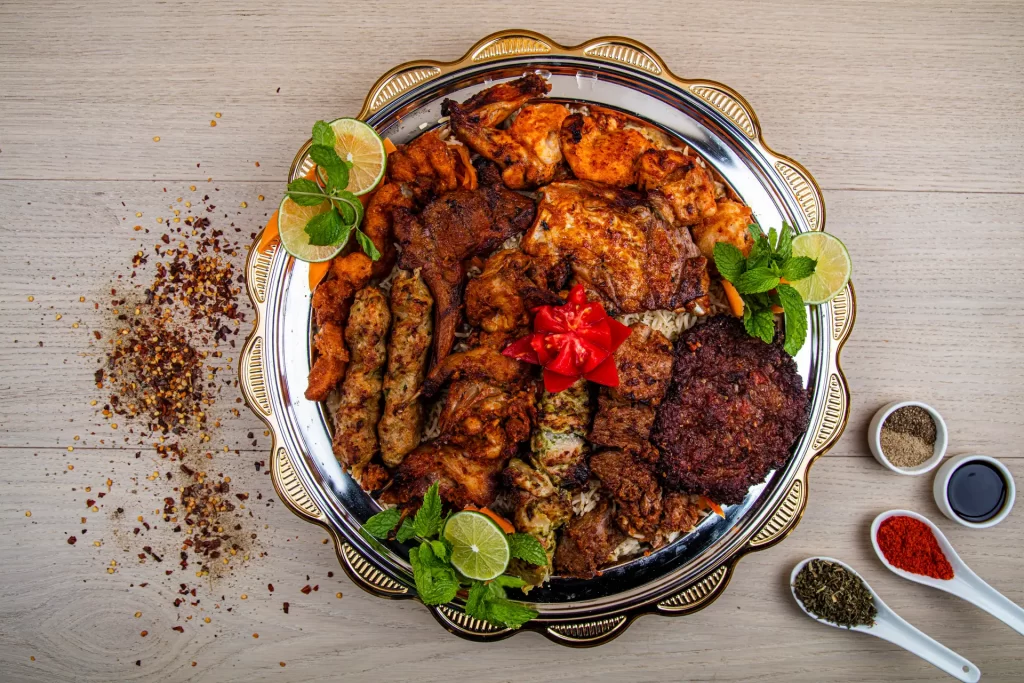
733	411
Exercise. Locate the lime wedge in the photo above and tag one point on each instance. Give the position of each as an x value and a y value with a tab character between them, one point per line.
833	269
359	144
291	223
480	549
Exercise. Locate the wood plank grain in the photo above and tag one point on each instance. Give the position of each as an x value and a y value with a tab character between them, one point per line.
940	304
880	95
77	620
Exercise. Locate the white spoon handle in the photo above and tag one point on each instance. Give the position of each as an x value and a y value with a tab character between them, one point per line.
899	632
973	588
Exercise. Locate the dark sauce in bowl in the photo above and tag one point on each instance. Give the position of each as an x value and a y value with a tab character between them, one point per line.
976	491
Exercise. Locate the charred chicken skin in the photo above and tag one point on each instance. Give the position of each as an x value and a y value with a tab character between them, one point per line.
728	224
452	228
733	411
613	243
601	148
678	187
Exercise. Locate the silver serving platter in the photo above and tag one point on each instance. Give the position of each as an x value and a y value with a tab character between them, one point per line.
719	125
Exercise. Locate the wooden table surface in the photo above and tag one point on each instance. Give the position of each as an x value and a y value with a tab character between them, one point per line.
908	114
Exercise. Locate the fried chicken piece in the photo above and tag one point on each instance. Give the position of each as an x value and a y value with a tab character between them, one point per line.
615	245
479	363
587	543
727	224
528	152
733	411
625	414
499	300
558	444
599	147
329	367
634	486
378	223
331	302
678	187
539	509
493	105
402	422
452	228
355	423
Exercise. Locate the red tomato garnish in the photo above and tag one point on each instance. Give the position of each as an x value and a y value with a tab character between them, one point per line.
576	339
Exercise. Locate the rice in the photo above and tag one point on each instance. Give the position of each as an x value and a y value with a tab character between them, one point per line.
585	500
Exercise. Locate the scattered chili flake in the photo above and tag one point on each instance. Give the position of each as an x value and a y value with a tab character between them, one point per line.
270	587
72	540
307	589
156	138
144	634
179	629
28	513
255	635
286	608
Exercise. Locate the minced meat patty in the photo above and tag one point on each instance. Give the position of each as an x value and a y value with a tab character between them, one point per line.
733	411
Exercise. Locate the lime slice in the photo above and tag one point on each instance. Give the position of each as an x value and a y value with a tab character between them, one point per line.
291	223
358	143
479	547
833	269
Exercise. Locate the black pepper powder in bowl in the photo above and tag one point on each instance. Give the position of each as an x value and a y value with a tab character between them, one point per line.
908	437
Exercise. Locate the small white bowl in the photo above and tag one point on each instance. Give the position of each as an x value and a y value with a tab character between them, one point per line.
875	437
940	489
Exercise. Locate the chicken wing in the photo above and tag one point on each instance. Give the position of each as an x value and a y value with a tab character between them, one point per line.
455	226
355	422
402	422
599	147
678	187
617	247
727	224
493	105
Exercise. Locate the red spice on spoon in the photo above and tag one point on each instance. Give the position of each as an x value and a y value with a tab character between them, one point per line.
910	545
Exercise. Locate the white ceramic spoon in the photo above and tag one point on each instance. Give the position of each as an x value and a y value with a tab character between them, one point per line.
891	627
964	584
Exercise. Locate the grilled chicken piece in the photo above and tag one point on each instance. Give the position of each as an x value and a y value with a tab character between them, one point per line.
727	224
355	423
495	104
452	228
625	414
588	542
416	173
678	187
617	247
599	147
331	302
634	486
498	301
559	443
402	423
539	509
528	152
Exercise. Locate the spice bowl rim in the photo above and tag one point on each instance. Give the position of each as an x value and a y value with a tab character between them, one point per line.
880	605
940	489
875	438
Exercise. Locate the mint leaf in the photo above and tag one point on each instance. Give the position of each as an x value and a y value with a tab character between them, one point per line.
323	134
508	613
406	531
428	517
760	324
761	246
527	548
337	177
798	267
324	229
305	192
756	280
773	238
435	580
381	524
785	247
348	214
476	603
796	318
440	550
346	199
325	156
508	581
729	261
368	246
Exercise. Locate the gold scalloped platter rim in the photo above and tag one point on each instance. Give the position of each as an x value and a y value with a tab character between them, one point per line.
298	474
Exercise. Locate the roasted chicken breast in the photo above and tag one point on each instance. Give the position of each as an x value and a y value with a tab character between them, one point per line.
678	187
599	147
729	224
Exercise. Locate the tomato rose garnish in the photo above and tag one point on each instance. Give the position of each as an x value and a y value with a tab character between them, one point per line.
576	339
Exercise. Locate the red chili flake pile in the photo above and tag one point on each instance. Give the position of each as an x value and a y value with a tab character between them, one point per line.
909	544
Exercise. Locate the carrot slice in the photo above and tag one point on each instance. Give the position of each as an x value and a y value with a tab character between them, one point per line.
715	507
735	300
505	525
317	271
777	309
269	234
389	146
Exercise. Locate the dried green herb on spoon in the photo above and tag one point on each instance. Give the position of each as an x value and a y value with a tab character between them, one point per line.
833	593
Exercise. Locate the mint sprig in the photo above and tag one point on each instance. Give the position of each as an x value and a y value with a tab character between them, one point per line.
761	279
336	225
438	582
